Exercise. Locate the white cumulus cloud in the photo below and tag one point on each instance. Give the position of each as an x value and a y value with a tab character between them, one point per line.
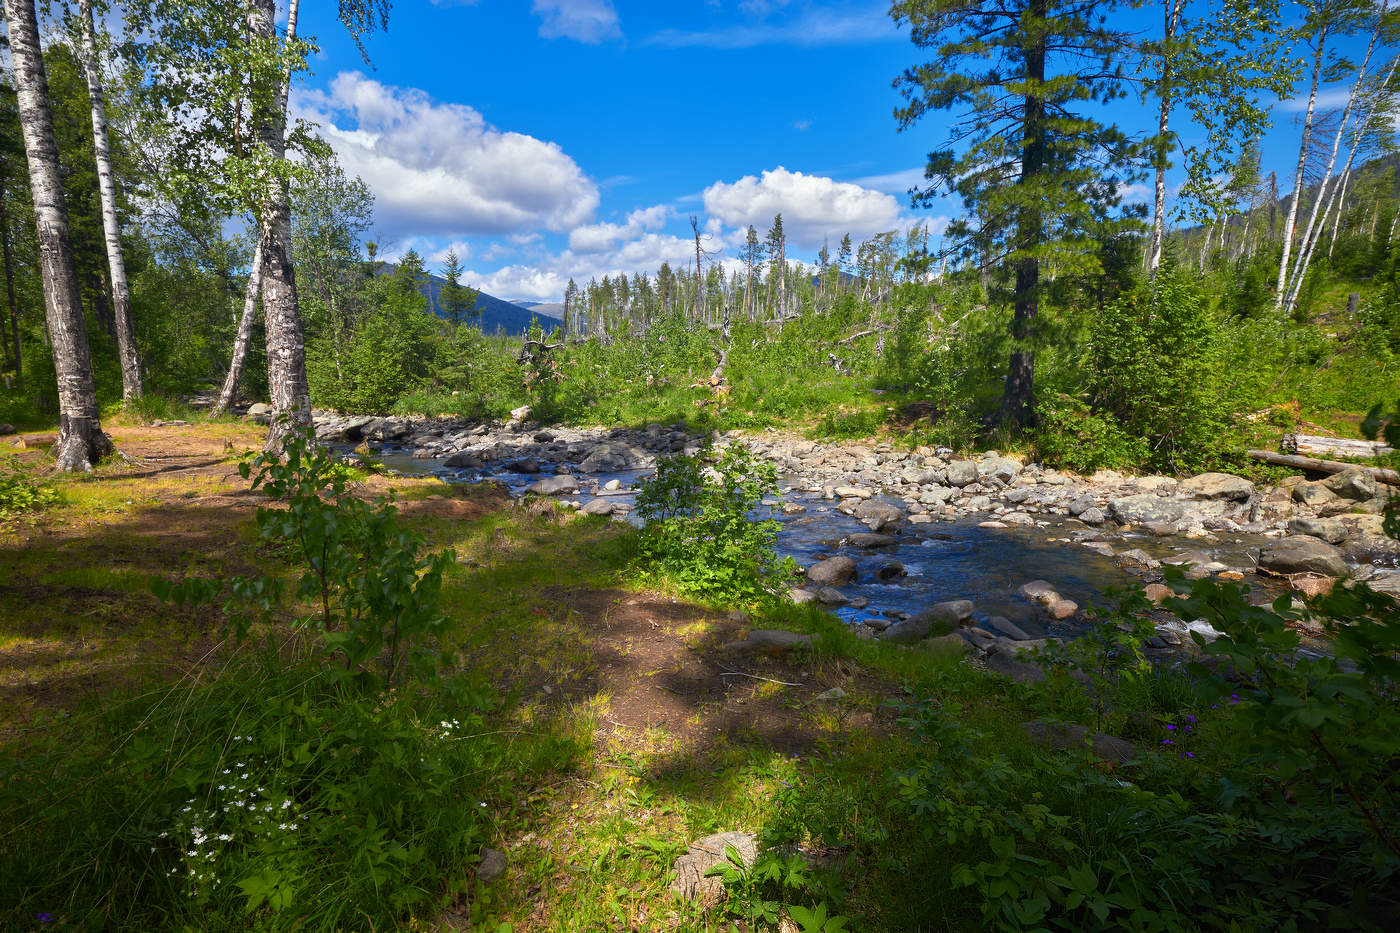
590	21
598	238
814	207
440	168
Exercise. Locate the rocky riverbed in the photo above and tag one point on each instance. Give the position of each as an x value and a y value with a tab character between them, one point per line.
908	544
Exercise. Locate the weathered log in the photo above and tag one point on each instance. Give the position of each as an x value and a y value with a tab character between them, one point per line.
1314	445
1390	477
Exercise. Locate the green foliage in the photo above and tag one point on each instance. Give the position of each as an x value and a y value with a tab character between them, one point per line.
1154	363
21	493
269	799
1107	659
375	589
1071	435
699	533
760	893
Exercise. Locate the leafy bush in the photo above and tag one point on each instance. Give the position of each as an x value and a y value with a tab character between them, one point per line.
1071	435
1154	363
698	528
21	493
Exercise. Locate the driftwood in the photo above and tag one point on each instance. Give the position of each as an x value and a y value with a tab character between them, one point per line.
1390	477
1332	446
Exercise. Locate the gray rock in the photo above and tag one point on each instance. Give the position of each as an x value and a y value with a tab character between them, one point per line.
1106	747
801	596
1303	554
882	512
979	638
597	507
1313	494
492	865
1218	486
946	644
1040	591
6	429
692	880
1145	508
999	468
1008	628
1092	516
1330	530
962	472
1004	664
1140	557
863	539
834	571
553	485
935	620
890	570
835	693
830	596
1355	484
610	458
852	492
1017	518
463	459
770	641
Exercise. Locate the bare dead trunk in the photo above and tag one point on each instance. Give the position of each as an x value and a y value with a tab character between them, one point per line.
121	293
81	442
1341	208
1298	176
229	393
286	344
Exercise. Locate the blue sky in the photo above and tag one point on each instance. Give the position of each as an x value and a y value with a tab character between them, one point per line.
545	139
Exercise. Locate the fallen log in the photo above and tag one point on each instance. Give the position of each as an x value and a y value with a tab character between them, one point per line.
1313	445
1389	477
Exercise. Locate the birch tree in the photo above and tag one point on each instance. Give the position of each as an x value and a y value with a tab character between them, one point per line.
111	226
81	441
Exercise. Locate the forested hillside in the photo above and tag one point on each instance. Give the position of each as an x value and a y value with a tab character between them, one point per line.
1009	543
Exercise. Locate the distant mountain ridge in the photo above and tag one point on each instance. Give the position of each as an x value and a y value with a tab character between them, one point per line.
492	315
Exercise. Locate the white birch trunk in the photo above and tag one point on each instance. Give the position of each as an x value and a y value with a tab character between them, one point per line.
1341	208
81	442
229	393
1298	175
286	343
1325	192
106	183
1159	204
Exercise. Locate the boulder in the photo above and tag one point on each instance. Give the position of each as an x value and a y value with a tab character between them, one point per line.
1001	662
1218	486
936	620
692	879
610	458
1092	516
830	596
553	485
261	412
1040	591
1002	469
801	596
1006	627
1062	608
962	473
852	492
834	571
1302	554
492	865
770	641
1069	737
946	644
463	459
1313	494
1355	484
597	507
1145	508
890	570
1330	530
520	414
881	512
6	429
863	539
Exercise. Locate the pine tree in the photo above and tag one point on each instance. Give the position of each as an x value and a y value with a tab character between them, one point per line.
457	301
776	248
1037	172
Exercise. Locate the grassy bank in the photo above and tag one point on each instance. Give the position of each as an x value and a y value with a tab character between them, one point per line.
588	727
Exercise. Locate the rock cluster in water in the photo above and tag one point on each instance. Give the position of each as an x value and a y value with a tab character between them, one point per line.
1318	531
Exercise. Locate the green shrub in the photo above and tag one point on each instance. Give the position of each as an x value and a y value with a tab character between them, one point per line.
1071	435
698	531
21	493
